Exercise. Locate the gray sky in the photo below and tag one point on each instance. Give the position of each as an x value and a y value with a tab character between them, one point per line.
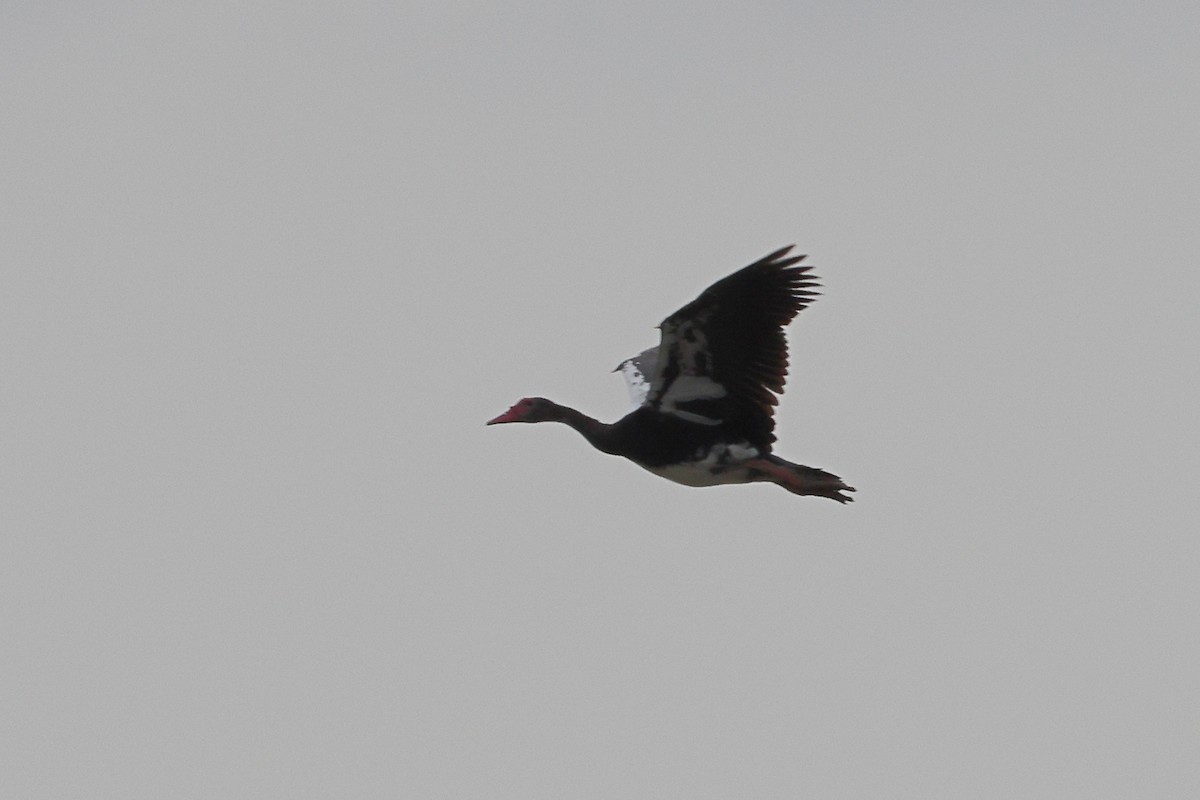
268	267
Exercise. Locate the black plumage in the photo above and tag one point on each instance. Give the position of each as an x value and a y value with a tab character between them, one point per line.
710	389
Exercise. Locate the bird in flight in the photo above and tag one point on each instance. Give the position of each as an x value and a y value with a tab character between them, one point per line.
704	399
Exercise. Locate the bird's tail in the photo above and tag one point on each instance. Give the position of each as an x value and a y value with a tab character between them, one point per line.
799	479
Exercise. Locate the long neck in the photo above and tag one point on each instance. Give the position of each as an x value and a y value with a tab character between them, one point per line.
598	434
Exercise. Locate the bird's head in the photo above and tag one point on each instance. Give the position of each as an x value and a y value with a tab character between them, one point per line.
529	409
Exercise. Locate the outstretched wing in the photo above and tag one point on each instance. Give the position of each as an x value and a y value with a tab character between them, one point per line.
637	372
723	357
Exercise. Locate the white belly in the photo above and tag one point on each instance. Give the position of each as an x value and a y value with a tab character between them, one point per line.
721	464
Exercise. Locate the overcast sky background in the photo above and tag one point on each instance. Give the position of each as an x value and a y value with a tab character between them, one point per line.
266	269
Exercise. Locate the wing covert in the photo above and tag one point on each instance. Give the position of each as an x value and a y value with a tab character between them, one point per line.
637	372
723	357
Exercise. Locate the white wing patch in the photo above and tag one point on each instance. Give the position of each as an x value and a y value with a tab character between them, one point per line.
723	463
688	350
638	372
689	389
